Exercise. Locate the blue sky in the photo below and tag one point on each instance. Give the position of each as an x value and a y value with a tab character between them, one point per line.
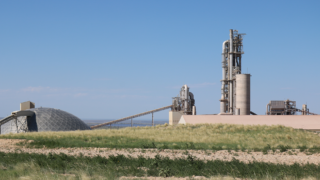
111	59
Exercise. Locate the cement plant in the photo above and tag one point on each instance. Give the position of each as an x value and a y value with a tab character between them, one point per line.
236	143
235	105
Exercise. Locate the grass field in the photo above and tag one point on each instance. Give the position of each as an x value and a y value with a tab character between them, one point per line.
216	137
213	136
53	166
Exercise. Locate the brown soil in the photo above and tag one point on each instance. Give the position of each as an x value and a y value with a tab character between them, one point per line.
181	178
9	145
159	178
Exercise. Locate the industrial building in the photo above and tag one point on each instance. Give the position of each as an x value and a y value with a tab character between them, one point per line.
235	86
311	122
235	97
184	103
31	119
281	108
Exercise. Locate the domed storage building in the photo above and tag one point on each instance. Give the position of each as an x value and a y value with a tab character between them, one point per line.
30	119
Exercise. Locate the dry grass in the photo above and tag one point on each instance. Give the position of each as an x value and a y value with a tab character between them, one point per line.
224	135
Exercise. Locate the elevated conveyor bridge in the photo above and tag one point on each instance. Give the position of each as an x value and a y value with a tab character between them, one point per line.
14	115
131	117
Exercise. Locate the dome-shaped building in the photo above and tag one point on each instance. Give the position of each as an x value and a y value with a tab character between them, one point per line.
43	119
50	119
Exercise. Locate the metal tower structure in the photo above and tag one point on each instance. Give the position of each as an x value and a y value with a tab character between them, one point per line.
232	51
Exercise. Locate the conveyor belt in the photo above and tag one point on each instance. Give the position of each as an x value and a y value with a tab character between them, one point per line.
306	112
252	113
130	117
7	119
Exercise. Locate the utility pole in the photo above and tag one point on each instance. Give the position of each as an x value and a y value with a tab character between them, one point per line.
152	120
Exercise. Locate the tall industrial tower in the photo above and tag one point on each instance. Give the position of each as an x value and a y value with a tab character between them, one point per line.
235	89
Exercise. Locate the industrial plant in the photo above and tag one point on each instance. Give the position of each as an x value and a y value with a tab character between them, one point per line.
235	97
235	105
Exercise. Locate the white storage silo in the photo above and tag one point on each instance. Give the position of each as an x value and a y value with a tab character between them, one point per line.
243	93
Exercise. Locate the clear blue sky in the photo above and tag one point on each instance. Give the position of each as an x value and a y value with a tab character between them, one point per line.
111	59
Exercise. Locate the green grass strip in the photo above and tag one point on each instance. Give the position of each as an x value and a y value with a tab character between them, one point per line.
203	136
125	142
116	166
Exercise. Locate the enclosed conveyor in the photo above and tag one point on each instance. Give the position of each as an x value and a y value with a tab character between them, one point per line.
14	115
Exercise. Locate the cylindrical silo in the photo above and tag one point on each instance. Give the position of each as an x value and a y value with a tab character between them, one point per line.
243	93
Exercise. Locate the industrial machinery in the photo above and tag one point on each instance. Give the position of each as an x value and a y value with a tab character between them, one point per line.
185	102
286	107
235	88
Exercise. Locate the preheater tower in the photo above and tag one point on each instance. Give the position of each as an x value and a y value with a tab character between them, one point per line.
232	51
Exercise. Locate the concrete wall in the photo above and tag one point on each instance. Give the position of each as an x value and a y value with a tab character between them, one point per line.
174	117
310	122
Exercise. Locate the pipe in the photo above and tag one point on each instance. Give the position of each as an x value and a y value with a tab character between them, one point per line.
191	95
267	109
224	70
230	72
